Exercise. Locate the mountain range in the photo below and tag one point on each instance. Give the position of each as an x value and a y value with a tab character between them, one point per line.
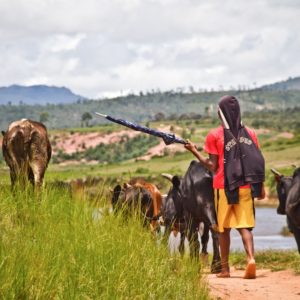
43	94
285	85
37	94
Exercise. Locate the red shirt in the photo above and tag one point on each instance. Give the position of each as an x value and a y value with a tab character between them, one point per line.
214	144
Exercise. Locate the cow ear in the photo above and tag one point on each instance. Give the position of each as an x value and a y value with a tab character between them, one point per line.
176	181
277	175
3	133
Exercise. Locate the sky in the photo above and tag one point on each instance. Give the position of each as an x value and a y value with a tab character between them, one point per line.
106	48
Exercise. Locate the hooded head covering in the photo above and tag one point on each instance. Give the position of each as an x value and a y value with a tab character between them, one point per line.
230	113
243	162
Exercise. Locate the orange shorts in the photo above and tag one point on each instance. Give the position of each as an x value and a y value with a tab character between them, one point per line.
240	215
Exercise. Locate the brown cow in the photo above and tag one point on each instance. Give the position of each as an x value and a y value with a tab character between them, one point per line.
27	151
138	190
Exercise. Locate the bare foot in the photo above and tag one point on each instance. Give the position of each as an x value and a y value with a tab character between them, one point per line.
250	272
223	275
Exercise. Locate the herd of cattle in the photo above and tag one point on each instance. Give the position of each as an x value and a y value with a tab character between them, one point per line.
189	202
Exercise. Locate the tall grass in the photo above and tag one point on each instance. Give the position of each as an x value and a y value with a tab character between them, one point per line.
54	248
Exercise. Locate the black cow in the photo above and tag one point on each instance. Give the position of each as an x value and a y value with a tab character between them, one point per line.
189	202
288	191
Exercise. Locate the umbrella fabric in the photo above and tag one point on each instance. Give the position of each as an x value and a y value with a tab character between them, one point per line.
168	138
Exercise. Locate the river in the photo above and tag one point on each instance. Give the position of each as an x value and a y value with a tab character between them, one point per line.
266	232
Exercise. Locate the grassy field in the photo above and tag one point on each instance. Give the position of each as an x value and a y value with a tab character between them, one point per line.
59	248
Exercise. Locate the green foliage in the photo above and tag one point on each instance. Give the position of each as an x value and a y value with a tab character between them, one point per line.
113	153
44	116
146	107
59	248
275	260
280	120
86	117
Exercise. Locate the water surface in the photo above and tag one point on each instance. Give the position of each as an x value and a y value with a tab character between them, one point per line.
266	232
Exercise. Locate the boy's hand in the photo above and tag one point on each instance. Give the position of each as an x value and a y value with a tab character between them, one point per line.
190	146
263	193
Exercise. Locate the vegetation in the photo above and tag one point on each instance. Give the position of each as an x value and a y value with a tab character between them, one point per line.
108	153
85	118
270	259
153	105
62	248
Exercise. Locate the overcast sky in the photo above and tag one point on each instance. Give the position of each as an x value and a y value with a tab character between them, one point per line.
99	48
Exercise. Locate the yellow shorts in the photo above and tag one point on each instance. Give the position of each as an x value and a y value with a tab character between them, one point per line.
240	215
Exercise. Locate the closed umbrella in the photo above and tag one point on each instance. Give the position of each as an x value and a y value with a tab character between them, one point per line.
168	138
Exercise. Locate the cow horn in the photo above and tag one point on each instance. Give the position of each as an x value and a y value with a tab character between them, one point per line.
275	172
167	176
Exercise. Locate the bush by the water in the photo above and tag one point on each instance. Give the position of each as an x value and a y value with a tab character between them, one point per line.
55	248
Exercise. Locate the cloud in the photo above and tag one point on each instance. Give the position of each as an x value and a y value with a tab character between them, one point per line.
100	48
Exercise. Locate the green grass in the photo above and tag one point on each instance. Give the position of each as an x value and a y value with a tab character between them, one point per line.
274	260
54	249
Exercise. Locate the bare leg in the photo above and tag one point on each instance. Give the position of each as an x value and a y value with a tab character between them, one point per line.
247	238
224	239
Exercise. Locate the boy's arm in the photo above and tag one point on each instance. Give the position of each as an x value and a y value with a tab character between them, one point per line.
210	163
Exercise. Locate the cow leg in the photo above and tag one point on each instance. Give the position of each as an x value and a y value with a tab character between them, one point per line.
297	237
38	174
295	230
31	176
204	237
194	242
181	246
13	178
216	261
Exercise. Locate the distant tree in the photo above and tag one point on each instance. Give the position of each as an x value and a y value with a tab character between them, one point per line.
193	129
191	89
173	116
85	118
207	112
44	116
185	134
159	116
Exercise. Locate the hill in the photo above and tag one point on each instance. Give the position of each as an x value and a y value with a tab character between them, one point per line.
155	106
36	94
289	84
63	109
